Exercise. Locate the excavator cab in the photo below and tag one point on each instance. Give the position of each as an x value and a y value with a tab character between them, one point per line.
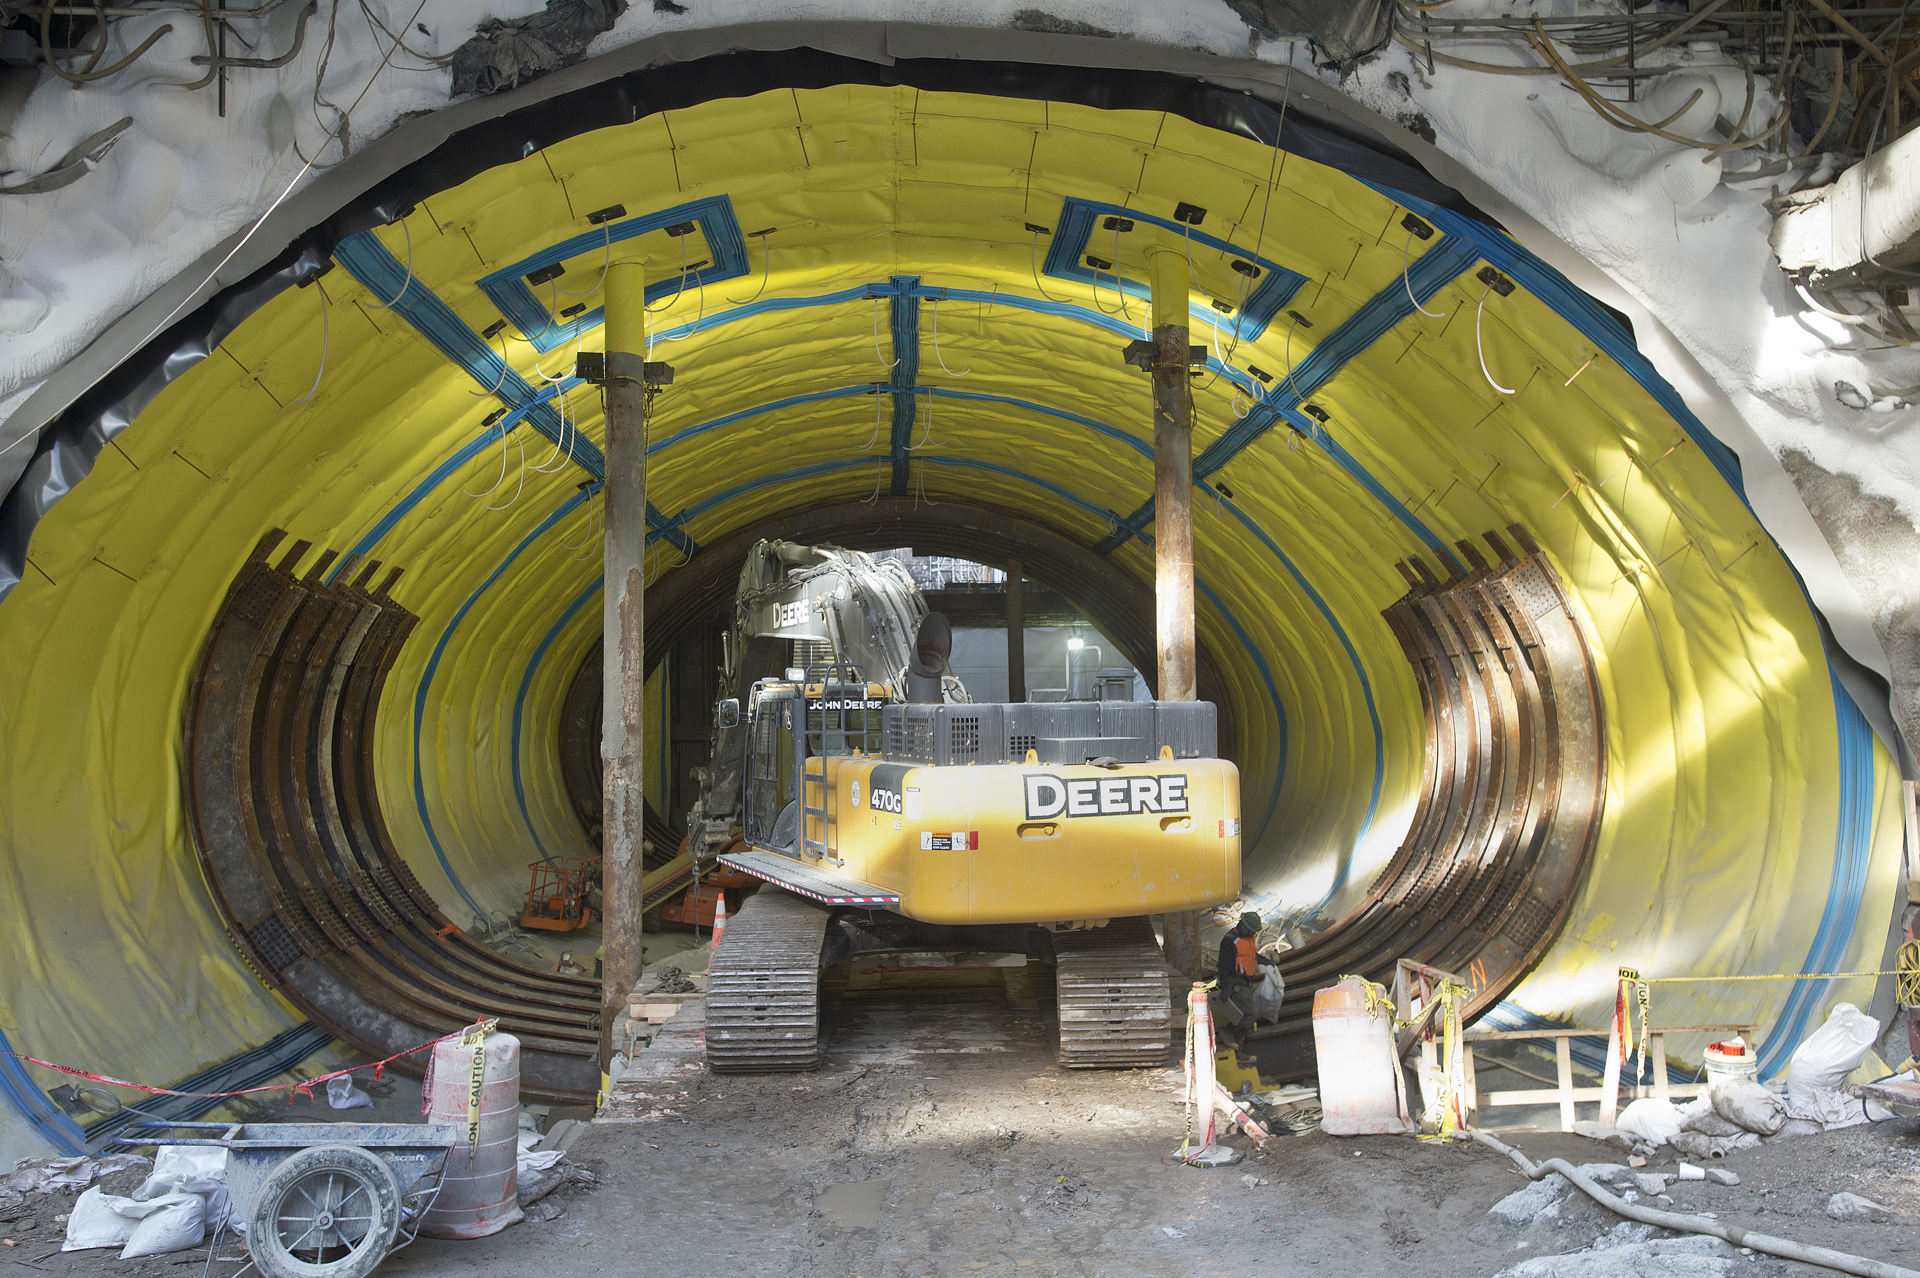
808	716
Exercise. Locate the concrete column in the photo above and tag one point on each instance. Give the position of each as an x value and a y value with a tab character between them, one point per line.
1016	634
623	617
1173	526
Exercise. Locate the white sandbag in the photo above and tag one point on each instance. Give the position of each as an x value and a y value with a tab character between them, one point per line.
193	1169
342	1094
95	1223
171	1222
1825	1058
1749	1105
1652	1119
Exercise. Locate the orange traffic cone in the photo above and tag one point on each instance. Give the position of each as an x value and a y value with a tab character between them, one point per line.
719	926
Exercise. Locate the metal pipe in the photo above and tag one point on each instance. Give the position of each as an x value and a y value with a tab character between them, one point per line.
1016	634
1168	271
622	620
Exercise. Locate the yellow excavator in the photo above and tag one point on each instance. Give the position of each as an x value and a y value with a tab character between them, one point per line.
887	815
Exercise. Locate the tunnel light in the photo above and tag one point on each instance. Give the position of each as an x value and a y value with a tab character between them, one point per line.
1076	643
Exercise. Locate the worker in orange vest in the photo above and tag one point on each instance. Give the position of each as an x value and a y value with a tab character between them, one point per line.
1239	964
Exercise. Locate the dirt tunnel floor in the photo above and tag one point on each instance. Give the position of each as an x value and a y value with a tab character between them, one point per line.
941	1139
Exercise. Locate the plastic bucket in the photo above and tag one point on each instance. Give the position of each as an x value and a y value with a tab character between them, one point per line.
1731	1061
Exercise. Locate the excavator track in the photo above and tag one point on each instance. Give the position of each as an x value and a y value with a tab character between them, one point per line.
1111	981
763	989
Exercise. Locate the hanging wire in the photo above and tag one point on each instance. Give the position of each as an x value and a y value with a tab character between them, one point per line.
1293	322
879	408
315	388
1406	278
878	358
1273	165
605	266
569	432
541	373
766	269
879	473
673	297
504	432
1033	264
1097	305
406	283
504	366
592	529
920	493
699	318
1480	345
520	487
926	435
936	344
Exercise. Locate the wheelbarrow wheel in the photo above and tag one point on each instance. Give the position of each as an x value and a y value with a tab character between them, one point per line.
327	1212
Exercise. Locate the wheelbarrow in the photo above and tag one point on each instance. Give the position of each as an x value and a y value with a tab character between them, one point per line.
323	1200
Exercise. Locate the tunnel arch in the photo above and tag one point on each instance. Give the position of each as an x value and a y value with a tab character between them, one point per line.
1710	674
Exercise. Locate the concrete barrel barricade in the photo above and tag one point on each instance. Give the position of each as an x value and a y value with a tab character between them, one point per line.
1358	1093
477	1192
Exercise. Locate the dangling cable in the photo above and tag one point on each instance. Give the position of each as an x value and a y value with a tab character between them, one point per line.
594	525
1293	323
406	283
521	486
1406	278
1480	345
315	388
495	388
503	467
936	344
701	316
541	373
1097	305
879	407
1033	263
766	269
673	297
876	339
605	266
879	472
550	462
926	435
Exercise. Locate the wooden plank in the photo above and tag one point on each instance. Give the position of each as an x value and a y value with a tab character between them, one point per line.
1661	1088
1549	1095
1563	1058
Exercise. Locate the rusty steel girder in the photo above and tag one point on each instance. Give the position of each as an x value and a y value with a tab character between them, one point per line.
1510	797
287	823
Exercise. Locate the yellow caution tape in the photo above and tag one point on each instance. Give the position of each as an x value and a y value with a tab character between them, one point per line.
1450	995
1777	976
476	1037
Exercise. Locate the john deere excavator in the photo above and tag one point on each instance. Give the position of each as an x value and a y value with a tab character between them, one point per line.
883	811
